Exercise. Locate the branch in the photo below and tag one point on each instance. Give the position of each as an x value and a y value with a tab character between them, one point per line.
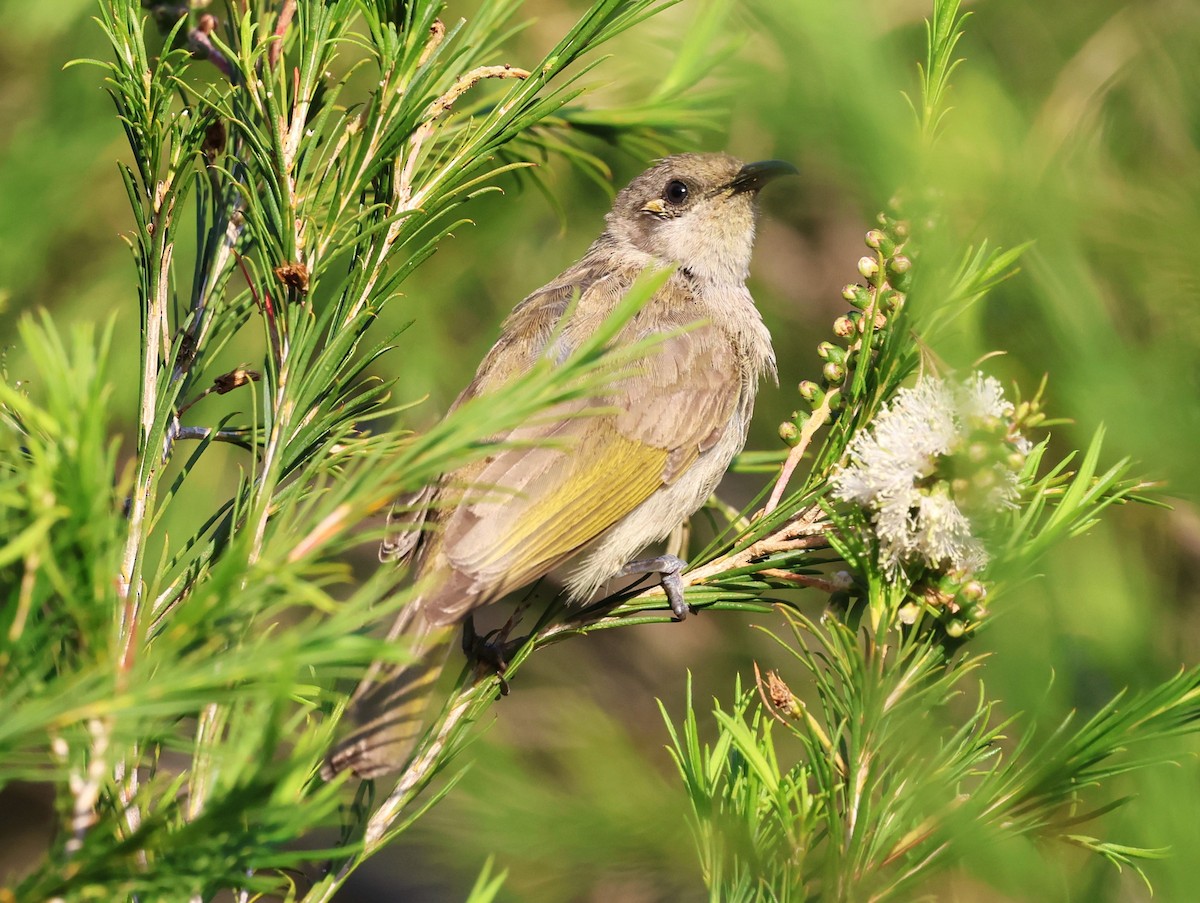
819	418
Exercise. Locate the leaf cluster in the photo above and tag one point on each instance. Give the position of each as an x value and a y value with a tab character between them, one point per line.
174	658
870	785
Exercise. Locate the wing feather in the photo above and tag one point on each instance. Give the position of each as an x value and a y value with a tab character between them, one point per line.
527	509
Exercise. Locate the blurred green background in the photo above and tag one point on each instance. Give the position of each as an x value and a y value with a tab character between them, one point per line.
1076	126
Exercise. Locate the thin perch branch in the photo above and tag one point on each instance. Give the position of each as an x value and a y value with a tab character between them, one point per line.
819	418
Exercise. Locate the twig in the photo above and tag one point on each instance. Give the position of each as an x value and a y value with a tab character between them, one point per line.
819	418
198	325
437	33
434	112
404	198
129	588
417	773
281	26
203	48
829	585
441	106
804	531
236	436
85	787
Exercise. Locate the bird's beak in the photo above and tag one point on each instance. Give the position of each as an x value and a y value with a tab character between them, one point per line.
753	176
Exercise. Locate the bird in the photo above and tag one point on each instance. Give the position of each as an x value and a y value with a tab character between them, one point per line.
594	491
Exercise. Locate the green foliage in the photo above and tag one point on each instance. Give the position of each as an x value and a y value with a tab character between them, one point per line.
184	611
178	693
883	791
943	29
888	780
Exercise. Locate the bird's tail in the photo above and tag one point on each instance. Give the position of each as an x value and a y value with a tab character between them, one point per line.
390	704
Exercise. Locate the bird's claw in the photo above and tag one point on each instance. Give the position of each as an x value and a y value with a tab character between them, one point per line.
490	652
669	567
672	585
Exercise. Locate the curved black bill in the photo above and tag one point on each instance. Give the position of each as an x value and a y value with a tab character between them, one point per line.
754	176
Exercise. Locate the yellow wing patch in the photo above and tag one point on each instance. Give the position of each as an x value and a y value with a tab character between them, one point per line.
588	495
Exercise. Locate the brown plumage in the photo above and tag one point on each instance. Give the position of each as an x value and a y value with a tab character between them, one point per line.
597	489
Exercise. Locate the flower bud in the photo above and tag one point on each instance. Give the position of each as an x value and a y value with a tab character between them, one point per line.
834	399
833	372
859	295
881	241
908	613
977	452
830	352
891	301
868	267
984	479
810	391
902	281
789	433
898	265
843	327
955	628
992	424
973	591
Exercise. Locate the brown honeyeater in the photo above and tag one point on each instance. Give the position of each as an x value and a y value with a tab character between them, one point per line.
591	490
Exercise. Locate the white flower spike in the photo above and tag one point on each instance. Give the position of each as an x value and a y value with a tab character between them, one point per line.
939	455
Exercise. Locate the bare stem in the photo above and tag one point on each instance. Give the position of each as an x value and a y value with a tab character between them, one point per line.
804	531
414	776
819	418
405	197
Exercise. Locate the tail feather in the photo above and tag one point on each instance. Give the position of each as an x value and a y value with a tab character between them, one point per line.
391	704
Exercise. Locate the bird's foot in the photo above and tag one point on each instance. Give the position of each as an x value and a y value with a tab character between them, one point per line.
490	652
669	567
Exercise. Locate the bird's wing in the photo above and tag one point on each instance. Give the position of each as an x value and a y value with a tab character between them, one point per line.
585	466
534	321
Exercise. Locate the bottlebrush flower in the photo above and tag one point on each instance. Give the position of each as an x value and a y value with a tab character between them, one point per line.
933	465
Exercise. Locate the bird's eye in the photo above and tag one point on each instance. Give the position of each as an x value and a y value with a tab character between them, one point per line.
676	192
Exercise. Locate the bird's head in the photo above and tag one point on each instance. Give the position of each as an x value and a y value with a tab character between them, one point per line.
697	211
